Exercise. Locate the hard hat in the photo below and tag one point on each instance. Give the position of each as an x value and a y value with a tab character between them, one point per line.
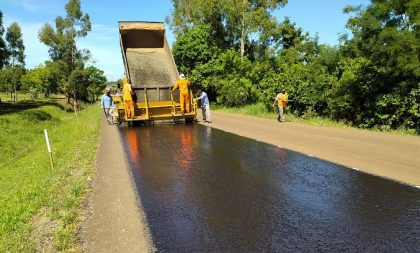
181	76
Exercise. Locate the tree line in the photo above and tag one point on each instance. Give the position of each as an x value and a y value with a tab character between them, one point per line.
240	54
12	58
65	72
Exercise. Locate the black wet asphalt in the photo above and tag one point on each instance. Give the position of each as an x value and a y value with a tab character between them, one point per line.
205	190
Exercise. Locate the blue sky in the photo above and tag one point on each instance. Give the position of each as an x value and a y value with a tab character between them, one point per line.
324	18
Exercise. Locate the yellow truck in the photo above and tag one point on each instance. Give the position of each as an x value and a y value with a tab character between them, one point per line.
150	73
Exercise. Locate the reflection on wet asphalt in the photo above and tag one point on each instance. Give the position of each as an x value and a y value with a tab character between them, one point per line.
205	190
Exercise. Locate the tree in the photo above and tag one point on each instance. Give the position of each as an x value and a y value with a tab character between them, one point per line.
9	77
15	45
232	22
287	35
187	14
381	65
329	57
62	41
5	80
194	48
240	54
228	77
96	82
3	49
16	50
38	80
59	77
77	83
247	17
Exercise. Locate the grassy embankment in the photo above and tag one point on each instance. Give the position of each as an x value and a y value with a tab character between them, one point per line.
40	207
259	110
21	96
5	97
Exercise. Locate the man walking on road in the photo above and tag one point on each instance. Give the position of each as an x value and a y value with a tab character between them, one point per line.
205	106
184	95
107	104
281	100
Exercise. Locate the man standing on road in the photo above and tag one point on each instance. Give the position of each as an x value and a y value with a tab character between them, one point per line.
184	96
205	106
281	100
107	104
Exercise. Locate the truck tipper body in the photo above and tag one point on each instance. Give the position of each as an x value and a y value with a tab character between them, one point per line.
150	69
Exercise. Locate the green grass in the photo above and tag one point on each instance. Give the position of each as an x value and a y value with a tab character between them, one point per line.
256	110
5	97
39	207
21	96
259	110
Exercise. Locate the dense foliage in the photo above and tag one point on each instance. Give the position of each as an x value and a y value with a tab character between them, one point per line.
372	79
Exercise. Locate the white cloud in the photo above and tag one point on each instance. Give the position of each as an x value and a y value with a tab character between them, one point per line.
34	5
103	43
102	32
36	52
108	59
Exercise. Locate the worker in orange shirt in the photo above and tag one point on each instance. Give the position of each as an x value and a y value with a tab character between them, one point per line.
281	100
184	96
128	98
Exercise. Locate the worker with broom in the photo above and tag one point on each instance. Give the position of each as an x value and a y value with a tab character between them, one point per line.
281	100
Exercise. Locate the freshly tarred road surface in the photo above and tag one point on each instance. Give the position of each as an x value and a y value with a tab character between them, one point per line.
206	190
387	155
235	194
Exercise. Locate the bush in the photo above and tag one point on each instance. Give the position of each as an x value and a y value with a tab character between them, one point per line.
227	77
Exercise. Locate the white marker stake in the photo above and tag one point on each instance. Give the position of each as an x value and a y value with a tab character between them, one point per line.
49	149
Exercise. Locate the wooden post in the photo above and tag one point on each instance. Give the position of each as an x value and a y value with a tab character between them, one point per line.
49	149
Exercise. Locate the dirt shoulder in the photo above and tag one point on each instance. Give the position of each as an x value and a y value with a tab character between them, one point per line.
116	220
387	155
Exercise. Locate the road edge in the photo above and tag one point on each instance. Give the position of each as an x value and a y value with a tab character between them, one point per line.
116	221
